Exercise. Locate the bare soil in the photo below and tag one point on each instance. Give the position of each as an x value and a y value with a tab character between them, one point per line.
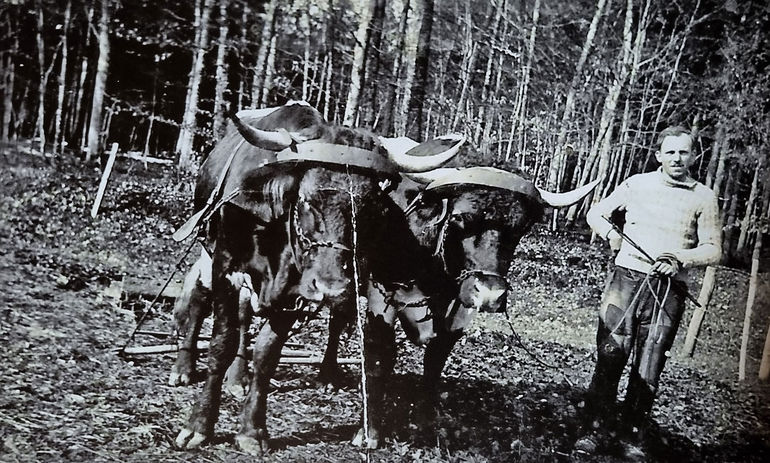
67	396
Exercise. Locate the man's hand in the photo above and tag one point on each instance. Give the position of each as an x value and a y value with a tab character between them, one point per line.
615	240
666	264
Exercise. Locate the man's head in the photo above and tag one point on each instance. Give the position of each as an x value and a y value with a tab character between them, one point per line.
675	152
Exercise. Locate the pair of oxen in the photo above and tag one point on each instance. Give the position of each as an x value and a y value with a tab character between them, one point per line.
299	211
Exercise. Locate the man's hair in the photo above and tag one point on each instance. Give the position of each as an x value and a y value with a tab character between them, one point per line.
672	131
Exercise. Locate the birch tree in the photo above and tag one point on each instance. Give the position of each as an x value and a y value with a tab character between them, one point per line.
265	41
421	67
187	129
58	138
40	130
80	113
100	82
365	14
221	76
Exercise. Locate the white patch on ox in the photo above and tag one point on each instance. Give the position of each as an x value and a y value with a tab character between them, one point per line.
485	296
246	294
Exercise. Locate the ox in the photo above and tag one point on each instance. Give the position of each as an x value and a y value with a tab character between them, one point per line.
470	221
294	226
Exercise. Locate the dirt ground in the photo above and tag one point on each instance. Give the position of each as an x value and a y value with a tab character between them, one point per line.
67	396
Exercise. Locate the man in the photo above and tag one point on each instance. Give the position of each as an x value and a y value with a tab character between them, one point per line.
675	220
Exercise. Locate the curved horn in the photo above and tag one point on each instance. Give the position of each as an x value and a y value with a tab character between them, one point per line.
567	198
405	152
273	141
432	175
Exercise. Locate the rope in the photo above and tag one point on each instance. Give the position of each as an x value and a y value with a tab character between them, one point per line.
359	321
656	315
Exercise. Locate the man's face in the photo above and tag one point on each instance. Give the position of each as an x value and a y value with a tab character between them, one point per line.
675	156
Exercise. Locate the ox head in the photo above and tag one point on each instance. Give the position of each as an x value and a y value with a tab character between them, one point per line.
325	185
479	216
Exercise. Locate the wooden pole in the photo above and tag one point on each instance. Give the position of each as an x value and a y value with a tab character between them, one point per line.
105	177
706	290
749	307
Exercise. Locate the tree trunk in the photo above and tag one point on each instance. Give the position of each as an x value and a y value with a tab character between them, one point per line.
407	82
8	84
557	163
390	105
520	112
370	118
43	78
730	210
357	74
269	71
470	49
711	170
100	83
221	82
706	290
750	204
421	67
58	146
268	31
81	114
753	281
184	143
304	26
243	93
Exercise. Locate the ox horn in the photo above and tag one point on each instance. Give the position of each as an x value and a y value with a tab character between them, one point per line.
498	178
567	198
405	153
426	178
269	140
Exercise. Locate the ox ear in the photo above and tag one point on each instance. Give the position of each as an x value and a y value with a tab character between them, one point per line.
410	156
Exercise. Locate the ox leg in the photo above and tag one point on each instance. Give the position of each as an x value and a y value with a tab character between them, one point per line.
237	377
253	437
190	309
330	372
379	359
436	354
222	351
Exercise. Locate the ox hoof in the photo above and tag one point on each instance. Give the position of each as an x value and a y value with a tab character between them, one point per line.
250	445
189	439
179	379
372	442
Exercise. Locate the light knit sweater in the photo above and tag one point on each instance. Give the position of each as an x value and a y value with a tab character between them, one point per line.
663	215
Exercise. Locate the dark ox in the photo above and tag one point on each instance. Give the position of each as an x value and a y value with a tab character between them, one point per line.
469	221
283	225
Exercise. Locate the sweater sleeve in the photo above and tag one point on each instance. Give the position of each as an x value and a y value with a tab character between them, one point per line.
604	208
709	248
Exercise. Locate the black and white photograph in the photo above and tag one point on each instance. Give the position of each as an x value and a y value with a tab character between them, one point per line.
461	231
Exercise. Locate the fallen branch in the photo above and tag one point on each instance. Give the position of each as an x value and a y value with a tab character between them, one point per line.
137	156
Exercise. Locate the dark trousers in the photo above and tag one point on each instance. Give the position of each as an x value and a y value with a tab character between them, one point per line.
638	318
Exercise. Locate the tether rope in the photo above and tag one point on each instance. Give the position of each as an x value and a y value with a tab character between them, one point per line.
659	303
358	314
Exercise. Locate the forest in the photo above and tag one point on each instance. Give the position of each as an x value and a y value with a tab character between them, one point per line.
566	92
